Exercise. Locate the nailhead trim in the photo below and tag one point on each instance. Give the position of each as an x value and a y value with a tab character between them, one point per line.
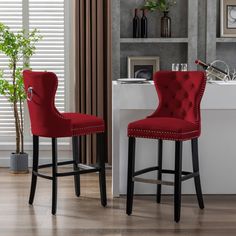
163	138
91	127
160	132
86	133
88	130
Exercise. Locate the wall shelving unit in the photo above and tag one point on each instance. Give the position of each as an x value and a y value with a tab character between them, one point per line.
215	43
154	40
189	43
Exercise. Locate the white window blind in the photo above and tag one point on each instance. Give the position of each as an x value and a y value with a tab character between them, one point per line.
48	17
11	15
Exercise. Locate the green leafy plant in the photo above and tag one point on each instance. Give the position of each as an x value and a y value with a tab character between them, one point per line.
19	48
161	5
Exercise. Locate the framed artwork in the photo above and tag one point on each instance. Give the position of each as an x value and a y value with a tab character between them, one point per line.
228	18
143	67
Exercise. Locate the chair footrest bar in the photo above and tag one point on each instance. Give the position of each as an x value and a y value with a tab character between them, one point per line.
59	164
146	170
80	166
86	167
78	172
42	175
153	181
189	176
163	171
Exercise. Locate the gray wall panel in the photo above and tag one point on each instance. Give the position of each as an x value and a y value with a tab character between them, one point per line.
168	53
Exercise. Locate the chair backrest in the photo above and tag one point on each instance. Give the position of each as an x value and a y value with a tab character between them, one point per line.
45	119
180	94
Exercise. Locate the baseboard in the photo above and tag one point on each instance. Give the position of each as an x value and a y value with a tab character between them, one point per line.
5	161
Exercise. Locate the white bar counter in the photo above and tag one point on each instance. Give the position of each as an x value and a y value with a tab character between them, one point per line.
217	144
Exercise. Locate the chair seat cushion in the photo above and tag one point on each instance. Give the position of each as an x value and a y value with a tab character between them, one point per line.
163	128
82	124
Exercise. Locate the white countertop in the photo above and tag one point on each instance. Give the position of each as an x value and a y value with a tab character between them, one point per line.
218	95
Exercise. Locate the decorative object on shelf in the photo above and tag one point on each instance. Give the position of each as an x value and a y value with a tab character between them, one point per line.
233	77
165	25
143	67
214	72
175	67
183	67
16	46
179	67
144	25
136	24
228	18
164	7
132	80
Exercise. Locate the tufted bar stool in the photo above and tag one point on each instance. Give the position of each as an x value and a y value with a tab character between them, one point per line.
48	122
177	118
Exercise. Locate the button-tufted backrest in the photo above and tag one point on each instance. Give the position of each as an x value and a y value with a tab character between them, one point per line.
180	94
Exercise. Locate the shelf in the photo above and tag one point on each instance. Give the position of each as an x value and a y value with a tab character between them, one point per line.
154	40
226	40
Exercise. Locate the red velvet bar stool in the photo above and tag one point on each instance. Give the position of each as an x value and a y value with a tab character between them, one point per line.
47	121
177	118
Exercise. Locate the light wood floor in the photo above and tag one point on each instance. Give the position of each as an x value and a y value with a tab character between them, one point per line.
85	216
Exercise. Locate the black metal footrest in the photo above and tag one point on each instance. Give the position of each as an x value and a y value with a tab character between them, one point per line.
153	181
189	176
163	171
42	175
84	171
81	169
62	163
186	175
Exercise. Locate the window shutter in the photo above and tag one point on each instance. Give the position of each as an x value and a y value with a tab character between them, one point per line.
11	15
48	17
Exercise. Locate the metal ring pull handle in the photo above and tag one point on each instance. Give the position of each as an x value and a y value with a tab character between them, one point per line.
30	93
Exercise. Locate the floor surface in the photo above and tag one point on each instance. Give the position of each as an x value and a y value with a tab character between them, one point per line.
84	216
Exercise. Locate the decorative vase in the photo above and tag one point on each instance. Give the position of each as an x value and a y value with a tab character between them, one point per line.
144	25
136	25
19	163
165	25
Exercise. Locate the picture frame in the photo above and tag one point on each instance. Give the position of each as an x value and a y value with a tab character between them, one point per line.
143	67
228	18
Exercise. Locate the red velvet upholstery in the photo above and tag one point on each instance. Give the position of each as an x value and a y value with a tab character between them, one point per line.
178	114
46	120
84	124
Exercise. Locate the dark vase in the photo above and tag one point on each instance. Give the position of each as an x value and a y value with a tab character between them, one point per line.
165	25
144	25
136	25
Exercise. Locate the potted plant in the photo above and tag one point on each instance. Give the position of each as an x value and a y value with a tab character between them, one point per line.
18	47
164	7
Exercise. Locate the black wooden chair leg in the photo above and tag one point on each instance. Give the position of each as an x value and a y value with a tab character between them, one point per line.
197	180
35	168
130	182
178	174
159	172
54	176
101	163
76	159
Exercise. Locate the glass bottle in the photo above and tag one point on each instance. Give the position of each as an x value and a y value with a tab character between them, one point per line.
165	25
136	24
144	25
